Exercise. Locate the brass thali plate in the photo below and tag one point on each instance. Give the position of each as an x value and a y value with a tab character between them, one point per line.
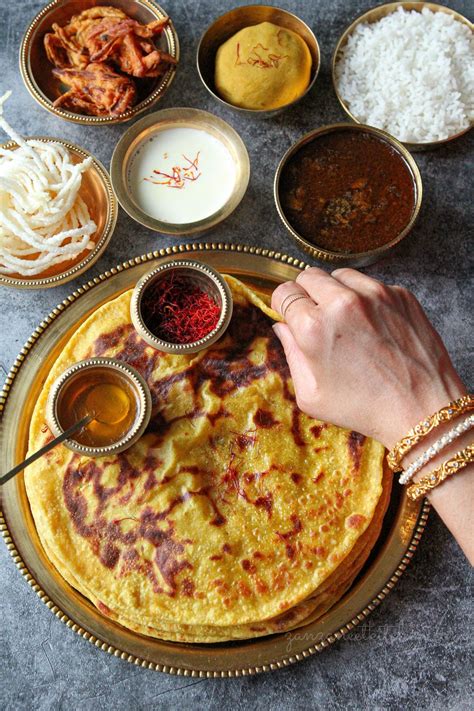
403	525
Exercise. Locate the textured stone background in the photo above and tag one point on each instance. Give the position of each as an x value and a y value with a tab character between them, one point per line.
414	651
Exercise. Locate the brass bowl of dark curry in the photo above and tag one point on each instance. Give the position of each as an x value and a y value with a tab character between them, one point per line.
348	193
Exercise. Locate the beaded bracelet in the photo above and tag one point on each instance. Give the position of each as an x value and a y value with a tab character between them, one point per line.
435	448
455	408
436	477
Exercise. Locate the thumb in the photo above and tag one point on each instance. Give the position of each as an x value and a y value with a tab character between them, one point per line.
300	369
286	338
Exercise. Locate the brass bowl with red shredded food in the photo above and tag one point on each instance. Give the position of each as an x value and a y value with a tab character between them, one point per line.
181	307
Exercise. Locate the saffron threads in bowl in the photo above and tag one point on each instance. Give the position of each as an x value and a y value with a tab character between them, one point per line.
177	310
182	306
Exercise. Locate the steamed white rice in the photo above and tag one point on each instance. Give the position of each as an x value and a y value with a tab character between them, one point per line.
411	74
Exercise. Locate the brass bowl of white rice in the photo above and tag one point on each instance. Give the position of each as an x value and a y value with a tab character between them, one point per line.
404	67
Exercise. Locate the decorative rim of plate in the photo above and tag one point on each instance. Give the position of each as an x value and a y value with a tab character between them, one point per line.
373	15
110	649
109	227
46	103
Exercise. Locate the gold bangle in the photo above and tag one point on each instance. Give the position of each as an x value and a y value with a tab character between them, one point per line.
436	477
455	408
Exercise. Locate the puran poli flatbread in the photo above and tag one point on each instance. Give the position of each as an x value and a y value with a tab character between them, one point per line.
232	509
302	614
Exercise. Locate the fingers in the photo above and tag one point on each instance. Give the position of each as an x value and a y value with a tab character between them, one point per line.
292	301
361	283
300	313
320	285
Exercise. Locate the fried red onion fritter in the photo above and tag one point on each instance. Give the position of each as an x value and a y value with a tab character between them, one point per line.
95	55
95	90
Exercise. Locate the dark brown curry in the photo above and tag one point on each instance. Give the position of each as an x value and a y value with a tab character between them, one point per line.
347	191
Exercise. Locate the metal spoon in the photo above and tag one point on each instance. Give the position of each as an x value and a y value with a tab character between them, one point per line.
57	440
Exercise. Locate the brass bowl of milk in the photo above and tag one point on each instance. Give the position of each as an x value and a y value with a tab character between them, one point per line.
180	171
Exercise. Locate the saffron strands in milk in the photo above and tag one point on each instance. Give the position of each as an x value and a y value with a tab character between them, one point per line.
181	175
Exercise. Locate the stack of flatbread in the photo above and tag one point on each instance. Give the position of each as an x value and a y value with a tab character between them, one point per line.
234	516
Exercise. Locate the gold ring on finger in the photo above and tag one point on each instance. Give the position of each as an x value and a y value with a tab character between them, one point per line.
291	298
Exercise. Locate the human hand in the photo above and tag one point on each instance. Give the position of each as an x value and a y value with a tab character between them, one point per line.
362	355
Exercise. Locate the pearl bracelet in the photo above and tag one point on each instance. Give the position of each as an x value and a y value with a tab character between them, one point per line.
435	448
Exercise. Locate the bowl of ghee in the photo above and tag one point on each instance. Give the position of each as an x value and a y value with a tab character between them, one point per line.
113	394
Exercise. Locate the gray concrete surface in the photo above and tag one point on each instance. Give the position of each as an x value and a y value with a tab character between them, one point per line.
414	652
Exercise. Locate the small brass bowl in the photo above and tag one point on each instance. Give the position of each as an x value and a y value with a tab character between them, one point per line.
144	129
373	16
208	279
231	22
97	192
36	69
99	366
356	259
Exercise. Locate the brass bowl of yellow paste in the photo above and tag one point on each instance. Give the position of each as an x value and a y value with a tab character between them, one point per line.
258	59
115	396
